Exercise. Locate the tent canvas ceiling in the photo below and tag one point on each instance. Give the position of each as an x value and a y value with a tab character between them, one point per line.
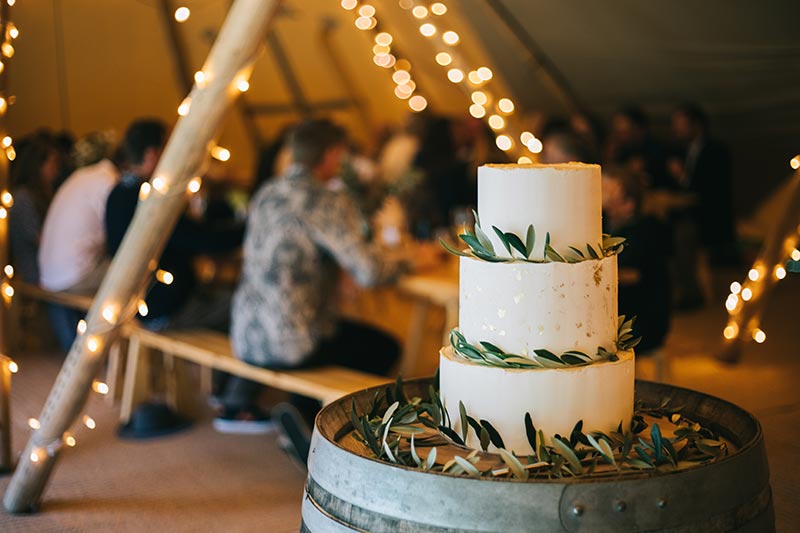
88	65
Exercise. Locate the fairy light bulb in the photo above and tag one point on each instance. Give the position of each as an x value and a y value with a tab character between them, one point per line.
485	73
194	185
474	78
479	97
143	309
7	49
780	272
795	162
243	86
496	122
182	14
13	367
731	302
8	290
427	29
363	23
70	441
34	456
753	274
34	423
535	145
109	314
477	111
450	37
183	109
221	154
199	77
455	75
401	76
383	38
736	287
160	184
93	344
7	141
795	255
144	191
404	91
420	12
164	277
13	32
99	387
366	11
81	327
417	103
438	8
506	105
747	294
8	270
759	336
349	5
524	160
730	331
89	422
444	59
3	108
3	213
504	142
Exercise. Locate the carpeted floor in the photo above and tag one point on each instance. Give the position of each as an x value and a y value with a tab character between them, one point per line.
203	481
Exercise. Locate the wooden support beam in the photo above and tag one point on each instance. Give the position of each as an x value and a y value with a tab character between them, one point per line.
232	55
289	76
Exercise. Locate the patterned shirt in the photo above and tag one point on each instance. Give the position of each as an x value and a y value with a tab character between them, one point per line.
298	235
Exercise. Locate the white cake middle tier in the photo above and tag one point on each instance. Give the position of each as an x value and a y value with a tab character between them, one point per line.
521	307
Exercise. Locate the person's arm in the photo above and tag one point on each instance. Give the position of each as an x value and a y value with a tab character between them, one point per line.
337	226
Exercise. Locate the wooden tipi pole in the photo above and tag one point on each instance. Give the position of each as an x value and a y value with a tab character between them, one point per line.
160	205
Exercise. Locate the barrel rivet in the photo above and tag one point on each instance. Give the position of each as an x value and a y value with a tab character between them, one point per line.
661	503
577	510
619	506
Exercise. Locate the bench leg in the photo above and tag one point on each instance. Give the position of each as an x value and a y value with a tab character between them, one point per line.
180	385
136	385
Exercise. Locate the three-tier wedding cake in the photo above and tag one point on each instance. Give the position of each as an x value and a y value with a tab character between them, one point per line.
538	327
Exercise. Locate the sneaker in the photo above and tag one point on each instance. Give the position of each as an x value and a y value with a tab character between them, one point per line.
250	421
294	437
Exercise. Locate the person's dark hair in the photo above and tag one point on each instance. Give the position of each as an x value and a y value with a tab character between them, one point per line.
632	184
310	139
26	170
268	157
140	136
560	133
636	115
696	115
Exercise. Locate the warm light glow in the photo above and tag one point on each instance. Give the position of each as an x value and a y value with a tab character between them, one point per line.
366	11
99	387
736	287
731	302
243	86
474	78
524	160
747	294
144	191
450	37
13	367
194	185
753	274
406	4
496	122
485	73
70	441
8	270
506	105
479	97
110	314
427	29
2	66
160	184
220	153
93	344
534	145
182	14
349	4
3	108
417	103
7	141
33	423
8	50
504	142
183	109
383	38
526	137
364	23
11	154
438	8
780	272
795	162
795	255
444	59
164	277
8	290
455	75
143	310
420	12
34	457
89	422
403	91
477	111
730	331
199	77
3	213
81	327
13	32
7	199
400	77
759	336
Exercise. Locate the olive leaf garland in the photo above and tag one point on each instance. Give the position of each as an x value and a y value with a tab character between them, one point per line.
487	354
396	428
481	247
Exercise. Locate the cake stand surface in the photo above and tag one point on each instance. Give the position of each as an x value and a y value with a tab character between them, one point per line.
348	491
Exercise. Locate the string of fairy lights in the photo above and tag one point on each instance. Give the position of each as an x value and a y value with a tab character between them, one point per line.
760	276
474	82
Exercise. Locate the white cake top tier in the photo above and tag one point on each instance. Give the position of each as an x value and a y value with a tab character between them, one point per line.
564	200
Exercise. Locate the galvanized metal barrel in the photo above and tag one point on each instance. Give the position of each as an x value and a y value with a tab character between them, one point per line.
347	492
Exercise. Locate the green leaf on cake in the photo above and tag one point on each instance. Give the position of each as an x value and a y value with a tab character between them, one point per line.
468	467
516	242
473	242
530	241
431	459
547	355
571	358
484	438
552	255
530	431
592	253
565	451
452	250
546	244
503	239
464	425
484	239
494	436
491	347
513	464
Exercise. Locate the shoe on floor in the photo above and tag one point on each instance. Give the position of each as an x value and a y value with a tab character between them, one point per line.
251	421
294	437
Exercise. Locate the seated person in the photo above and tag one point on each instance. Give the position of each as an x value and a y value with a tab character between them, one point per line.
179	304
644	286
299	235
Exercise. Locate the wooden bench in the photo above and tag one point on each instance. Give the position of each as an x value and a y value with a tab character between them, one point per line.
212	350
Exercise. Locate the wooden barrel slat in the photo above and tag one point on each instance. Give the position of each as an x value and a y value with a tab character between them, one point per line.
347	492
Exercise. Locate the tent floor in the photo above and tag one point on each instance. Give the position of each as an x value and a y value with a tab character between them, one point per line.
200	480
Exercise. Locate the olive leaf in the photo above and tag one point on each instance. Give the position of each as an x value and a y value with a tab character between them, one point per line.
503	240
530	241
530	432
468	467
431	459
493	434
464	425
565	451
513	464
452	250
414	454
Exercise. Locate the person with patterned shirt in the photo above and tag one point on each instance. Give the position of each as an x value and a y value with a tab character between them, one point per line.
299	235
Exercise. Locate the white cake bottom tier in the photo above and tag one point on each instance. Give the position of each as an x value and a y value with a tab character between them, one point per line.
600	394
521	307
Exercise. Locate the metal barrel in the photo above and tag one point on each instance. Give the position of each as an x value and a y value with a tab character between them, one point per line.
348	492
